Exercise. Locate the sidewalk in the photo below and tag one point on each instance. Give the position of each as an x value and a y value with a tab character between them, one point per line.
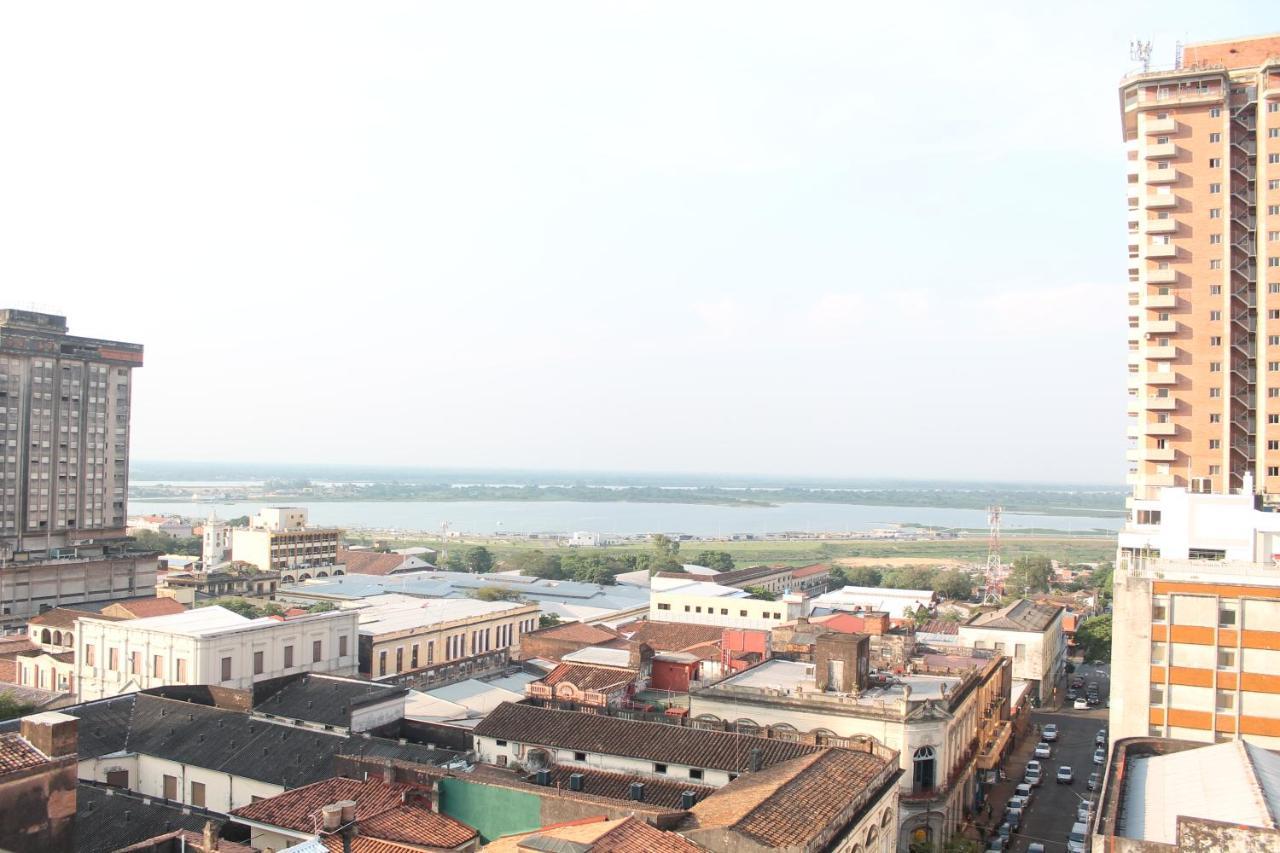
1014	767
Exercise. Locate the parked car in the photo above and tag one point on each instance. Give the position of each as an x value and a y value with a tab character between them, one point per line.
1077	683
1083	810
1023	790
1092	699
1072	694
1076	838
1065	776
1035	847
1043	750
1005	831
1101	737
1034	775
1050	732
1081	704
1013	817
1095	779
1099	756
996	844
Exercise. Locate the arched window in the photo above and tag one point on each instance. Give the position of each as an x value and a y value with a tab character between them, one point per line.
304	577
322	574
924	762
69	638
44	636
884	818
57	638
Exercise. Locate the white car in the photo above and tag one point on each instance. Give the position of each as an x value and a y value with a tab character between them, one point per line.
1082	704
1099	756
1050	733
1043	750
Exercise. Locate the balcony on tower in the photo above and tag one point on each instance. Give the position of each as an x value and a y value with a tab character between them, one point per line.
1161	150
1160	125
1161	201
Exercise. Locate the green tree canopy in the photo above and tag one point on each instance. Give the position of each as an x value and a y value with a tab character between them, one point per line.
1029	574
859	575
761	593
235	604
495	593
536	564
1093	636
721	561
11	707
454	563
478	560
665	545
546	620
151	540
953	584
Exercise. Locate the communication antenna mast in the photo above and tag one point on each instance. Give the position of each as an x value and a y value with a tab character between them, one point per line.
444	542
993	554
1140	51
1177	55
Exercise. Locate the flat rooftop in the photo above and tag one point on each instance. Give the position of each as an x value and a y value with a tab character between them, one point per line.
382	614
787	676
202	622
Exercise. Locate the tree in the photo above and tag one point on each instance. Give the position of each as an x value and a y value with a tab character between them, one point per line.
454	563
547	620
11	707
861	576
954	584
321	607
536	564
665	545
721	561
235	604
1029	574
909	577
152	540
239	521
761	593
1093	637
479	560
495	593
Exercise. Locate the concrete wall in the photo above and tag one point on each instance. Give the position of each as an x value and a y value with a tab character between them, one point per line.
223	791
38	808
28	589
1043	653
1131	658
517	753
676	606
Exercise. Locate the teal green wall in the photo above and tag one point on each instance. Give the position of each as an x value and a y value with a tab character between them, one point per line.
493	811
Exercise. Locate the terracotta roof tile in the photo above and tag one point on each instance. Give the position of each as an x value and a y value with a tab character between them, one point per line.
575	632
370	562
939	626
671	636
417	825
300	808
588	677
810	571
145	607
622	835
17	754
187	840
790	803
658	742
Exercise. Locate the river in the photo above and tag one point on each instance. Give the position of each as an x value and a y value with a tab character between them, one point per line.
621	518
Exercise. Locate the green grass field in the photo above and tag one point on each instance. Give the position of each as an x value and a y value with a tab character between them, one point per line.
1072	549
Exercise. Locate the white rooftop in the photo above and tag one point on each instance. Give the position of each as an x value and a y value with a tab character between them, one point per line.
199	622
1234	782
598	656
796	677
895	602
381	614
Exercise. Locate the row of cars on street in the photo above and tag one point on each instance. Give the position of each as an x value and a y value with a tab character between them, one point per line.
1033	777
1082	695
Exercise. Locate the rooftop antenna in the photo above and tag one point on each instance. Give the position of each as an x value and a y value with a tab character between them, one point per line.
1177	55
992	595
1140	51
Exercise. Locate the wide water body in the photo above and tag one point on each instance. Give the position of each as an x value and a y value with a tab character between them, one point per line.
486	517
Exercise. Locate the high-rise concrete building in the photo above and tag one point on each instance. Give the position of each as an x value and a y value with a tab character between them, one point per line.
64	467
1197	590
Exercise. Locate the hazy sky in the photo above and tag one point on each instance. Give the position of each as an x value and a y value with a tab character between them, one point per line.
772	238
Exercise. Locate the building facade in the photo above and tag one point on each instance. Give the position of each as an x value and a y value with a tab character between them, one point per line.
278	539
210	645
706	603
1028	633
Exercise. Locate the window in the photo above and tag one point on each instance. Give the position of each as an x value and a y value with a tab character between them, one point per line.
342	646
1214	341
1215	213
1157	694
659	768
157	669
1273	340
1273	444
664	606
1215	470
413	656
400	659
1215	137
1273	106
1273	184
1157	653
257	663
197	794
1214	393
135	663
724	611
431	652
1215	188
1273	210
1215	367
113	659
1225	700
1215	162
1214	316
171	787
1273	392
1215	264
1273	262
1273	158
1227	614
181	664
382	663
1274	287
1273	236
316	655
226	669
288	657
1019	651
1214	418
1215	290
698	609
1215	239
1226	658
579	756
1273	471
695	773
923	763
1158	610
1215	444
1273	314
1273	419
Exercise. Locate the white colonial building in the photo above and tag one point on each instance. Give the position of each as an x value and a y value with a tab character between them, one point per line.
209	645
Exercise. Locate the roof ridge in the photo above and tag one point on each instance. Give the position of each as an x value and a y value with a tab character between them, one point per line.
1255	783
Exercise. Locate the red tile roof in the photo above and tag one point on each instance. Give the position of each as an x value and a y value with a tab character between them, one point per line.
417	825
621	835
810	571
370	562
939	626
576	632
385	821
671	636
588	677
186	839
300	808
145	607
658	791
17	754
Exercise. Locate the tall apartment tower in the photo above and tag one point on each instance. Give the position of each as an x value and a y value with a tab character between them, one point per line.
1197	584
64	468
64	406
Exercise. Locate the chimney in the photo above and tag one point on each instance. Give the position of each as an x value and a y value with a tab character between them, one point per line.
388	772
575	781
52	733
348	810
687	800
331	817
757	760
210	840
637	791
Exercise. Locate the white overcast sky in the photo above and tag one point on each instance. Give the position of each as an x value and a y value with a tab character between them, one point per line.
822	239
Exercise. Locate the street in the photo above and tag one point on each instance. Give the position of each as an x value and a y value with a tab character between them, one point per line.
1053	807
